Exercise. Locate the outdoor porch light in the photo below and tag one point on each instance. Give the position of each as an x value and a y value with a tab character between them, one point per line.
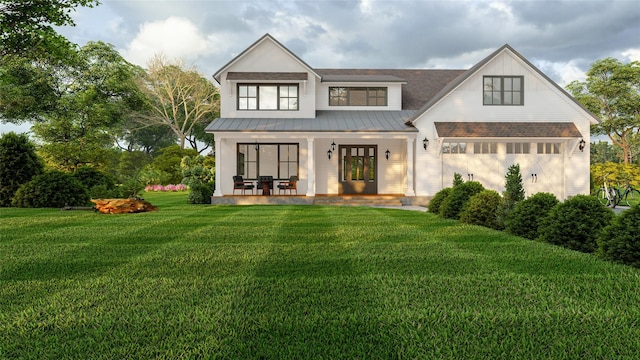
333	146
257	146
582	144
425	143
387	153
329	153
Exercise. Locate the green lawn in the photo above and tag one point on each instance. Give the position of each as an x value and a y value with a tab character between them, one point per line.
295	282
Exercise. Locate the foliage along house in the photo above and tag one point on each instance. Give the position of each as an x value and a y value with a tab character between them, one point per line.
396	132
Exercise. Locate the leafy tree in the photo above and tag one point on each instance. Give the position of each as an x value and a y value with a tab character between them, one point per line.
612	92
94	95
18	164
602	152
169	162
180	99
27	27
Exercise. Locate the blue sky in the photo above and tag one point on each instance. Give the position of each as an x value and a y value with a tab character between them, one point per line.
562	38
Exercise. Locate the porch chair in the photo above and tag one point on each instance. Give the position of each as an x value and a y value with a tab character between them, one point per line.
292	184
240	184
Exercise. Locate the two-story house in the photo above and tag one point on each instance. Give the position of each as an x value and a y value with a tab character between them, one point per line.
396	132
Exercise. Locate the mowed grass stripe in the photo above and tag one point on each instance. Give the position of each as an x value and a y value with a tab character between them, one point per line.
294	282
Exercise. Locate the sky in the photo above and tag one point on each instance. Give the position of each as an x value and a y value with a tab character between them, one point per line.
561	38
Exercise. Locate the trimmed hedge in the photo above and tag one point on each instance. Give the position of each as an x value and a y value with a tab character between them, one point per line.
576	223
620	241
53	189
526	217
481	209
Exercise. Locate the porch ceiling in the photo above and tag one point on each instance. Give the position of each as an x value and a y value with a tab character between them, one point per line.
325	121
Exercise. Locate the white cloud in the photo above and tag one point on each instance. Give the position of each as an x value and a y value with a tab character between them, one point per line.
562	72
632	54
174	37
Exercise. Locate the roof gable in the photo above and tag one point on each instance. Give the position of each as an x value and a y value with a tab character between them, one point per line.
267	38
477	67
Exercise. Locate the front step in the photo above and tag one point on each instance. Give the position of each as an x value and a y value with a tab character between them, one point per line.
358	200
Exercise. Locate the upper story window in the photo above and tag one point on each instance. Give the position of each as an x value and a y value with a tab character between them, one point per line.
357	96
454	148
268	97
503	90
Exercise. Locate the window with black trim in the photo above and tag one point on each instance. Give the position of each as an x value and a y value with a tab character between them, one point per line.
268	97
267	159
357	96
454	148
503	90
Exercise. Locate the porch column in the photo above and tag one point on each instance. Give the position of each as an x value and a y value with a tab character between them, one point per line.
410	165
311	165
218	190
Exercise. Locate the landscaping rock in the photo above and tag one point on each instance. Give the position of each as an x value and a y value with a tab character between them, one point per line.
123	206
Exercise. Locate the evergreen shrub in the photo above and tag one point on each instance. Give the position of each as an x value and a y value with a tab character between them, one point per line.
19	163
53	189
620	241
459	196
527	215
437	200
481	209
576	223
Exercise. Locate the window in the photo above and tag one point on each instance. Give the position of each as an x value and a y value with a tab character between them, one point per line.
503	90
518	148
268	97
454	148
485	148
357	96
548	148
277	160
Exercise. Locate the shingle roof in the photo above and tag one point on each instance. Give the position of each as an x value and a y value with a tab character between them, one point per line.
507	130
257	76
421	85
362	78
325	121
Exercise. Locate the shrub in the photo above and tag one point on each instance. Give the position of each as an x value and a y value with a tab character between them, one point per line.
51	189
526	217
576	223
18	164
459	196
199	177
620	241
436	201
457	179
99	184
481	209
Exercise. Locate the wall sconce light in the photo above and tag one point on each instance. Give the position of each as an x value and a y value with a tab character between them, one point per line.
582	144
257	146
387	153
333	146
425	143
329	153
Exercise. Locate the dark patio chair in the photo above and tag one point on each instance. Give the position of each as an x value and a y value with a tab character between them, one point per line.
240	184
292	184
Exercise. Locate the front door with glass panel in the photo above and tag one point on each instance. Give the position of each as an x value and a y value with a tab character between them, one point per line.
357	169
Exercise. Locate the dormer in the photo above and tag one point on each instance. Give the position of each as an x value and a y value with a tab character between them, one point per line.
266	81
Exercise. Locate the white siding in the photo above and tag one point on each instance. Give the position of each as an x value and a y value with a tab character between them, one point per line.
564	175
267	57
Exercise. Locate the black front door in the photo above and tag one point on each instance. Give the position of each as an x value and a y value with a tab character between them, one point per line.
357	169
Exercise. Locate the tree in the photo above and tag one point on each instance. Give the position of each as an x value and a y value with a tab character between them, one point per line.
95	93
18	164
612	92
180	98
26	27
